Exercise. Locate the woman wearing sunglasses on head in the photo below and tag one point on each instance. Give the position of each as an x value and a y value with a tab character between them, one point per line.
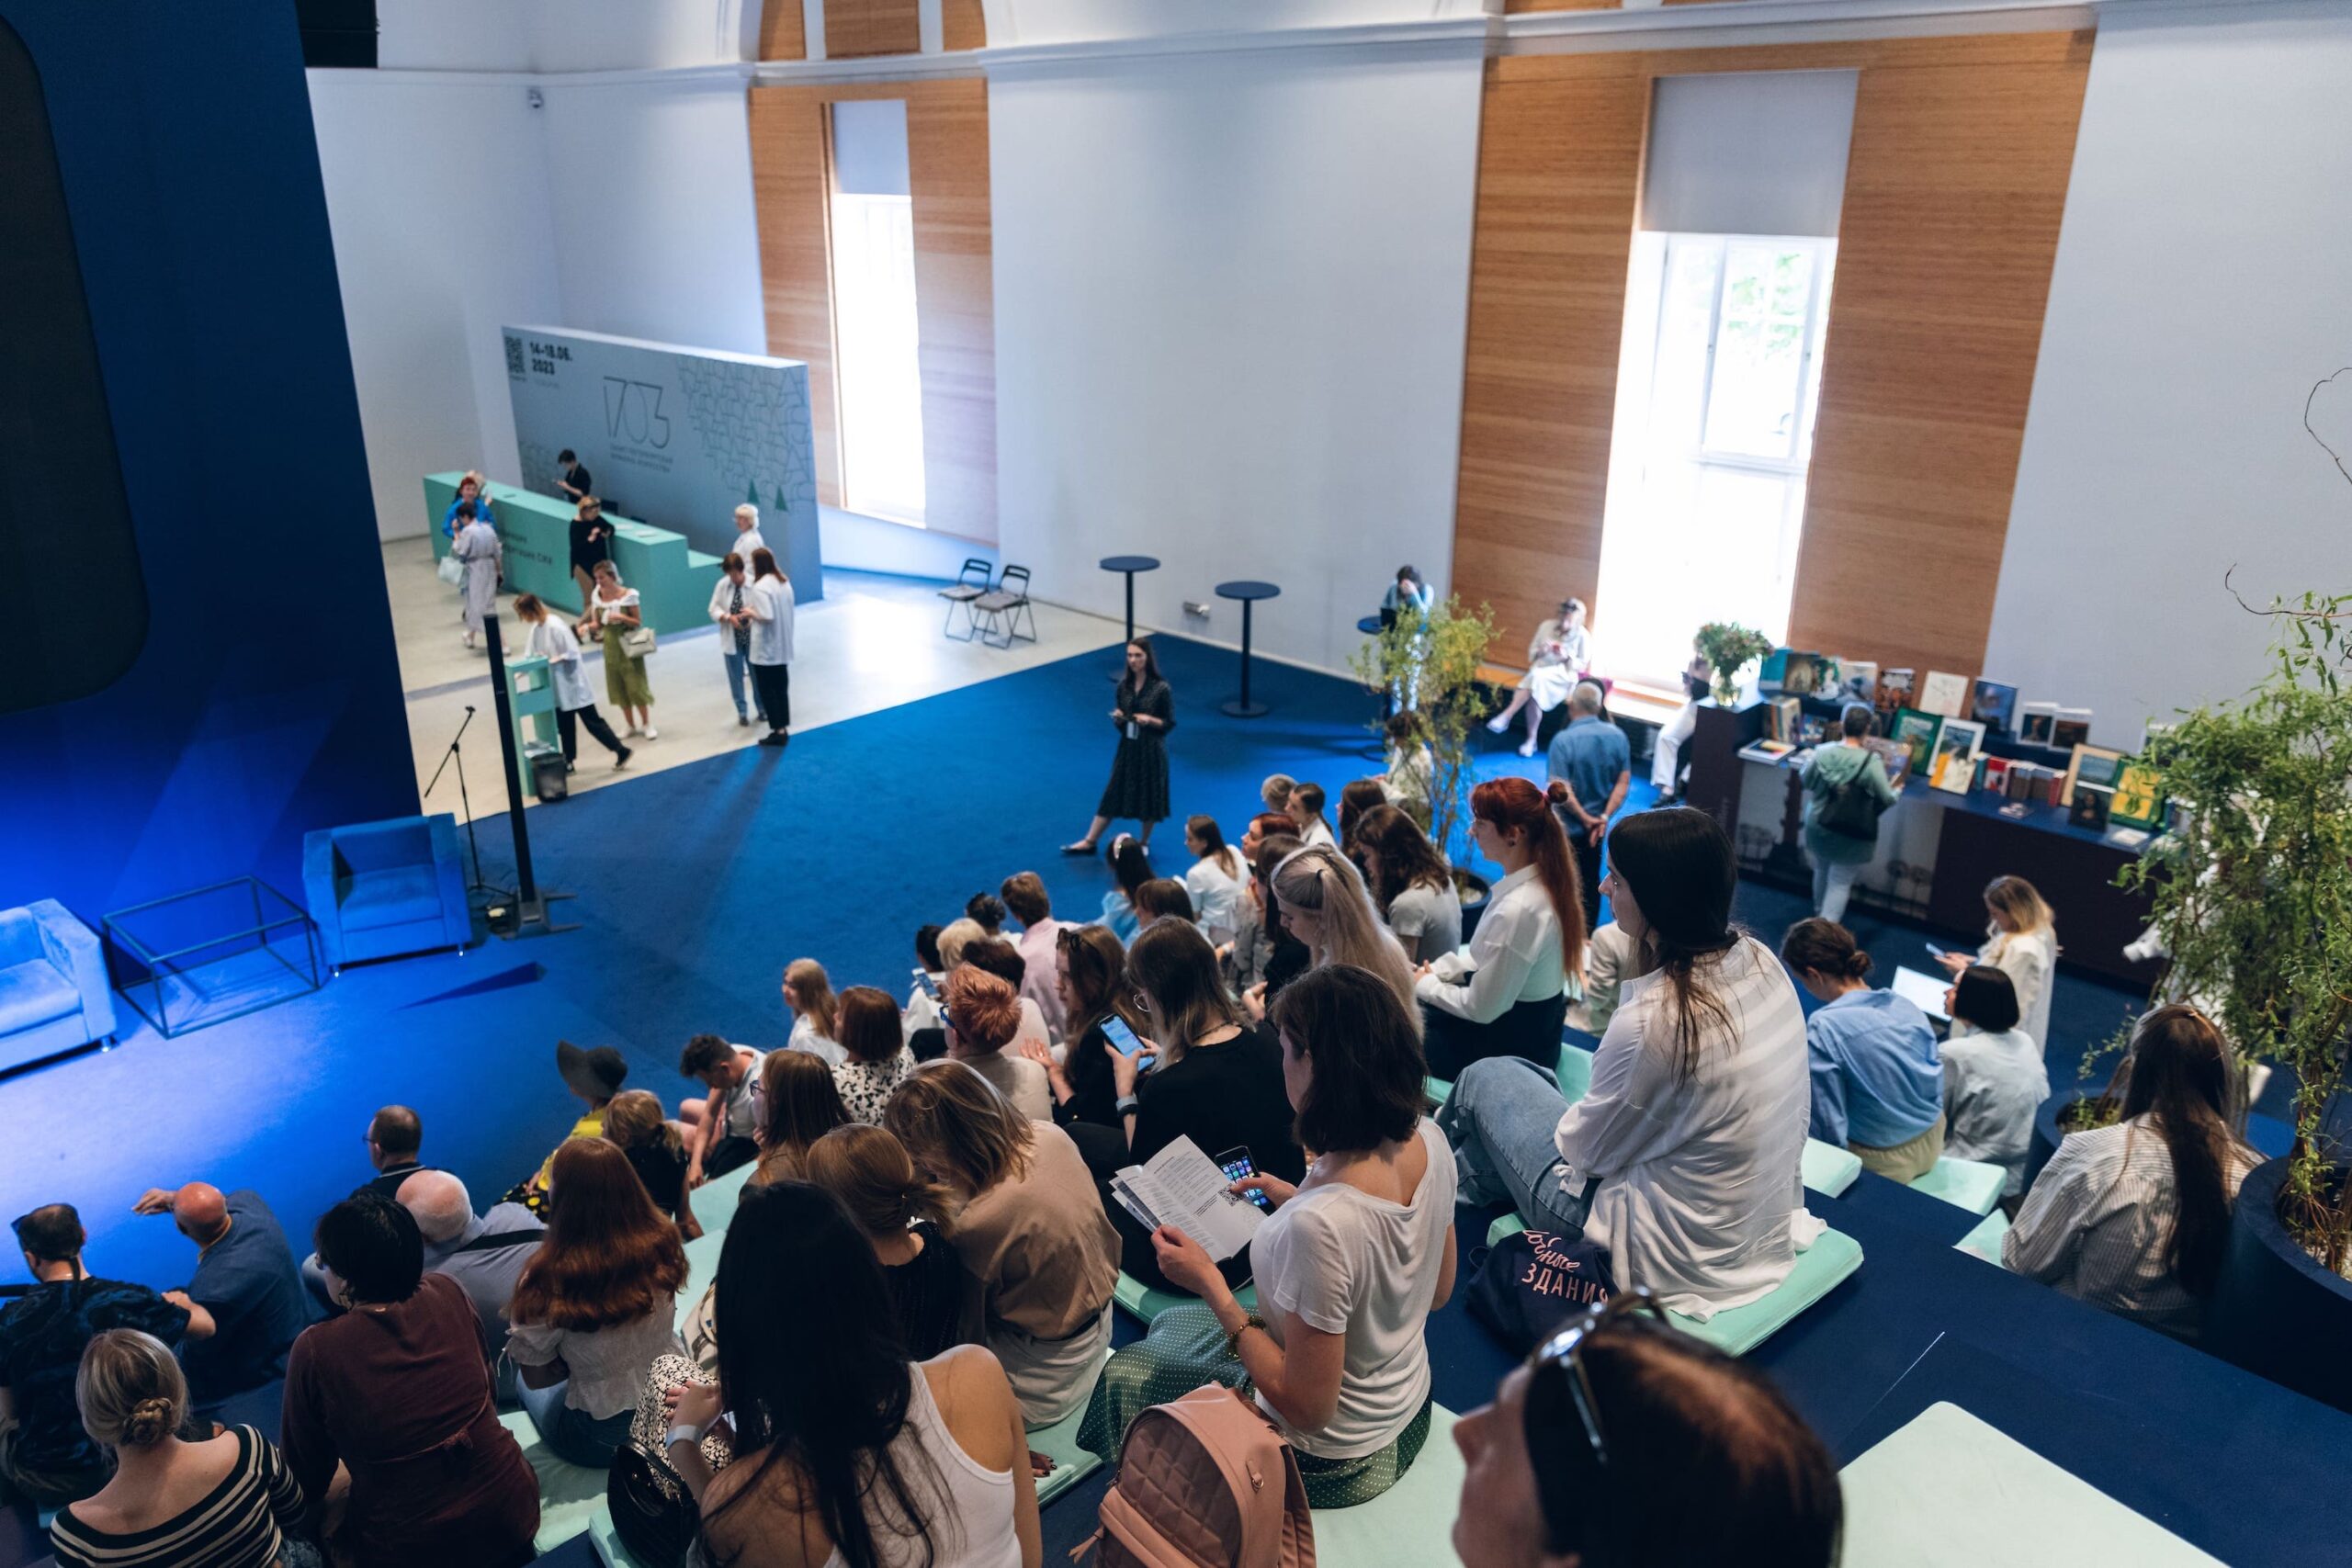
1625	1444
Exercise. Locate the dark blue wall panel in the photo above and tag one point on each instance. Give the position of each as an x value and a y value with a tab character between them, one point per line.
266	699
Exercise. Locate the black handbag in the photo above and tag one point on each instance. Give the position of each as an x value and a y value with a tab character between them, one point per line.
654	1515
1850	808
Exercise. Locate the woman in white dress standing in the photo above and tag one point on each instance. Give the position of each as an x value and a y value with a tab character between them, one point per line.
2021	942
477	545
1557	655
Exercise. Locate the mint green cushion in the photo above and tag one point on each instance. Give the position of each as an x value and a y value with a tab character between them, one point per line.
1985	1241
1829	1169
1438	1090
702	1267
1575	1073
1737	1330
715	1200
1140	1301
569	1495
1412	1522
1964	1183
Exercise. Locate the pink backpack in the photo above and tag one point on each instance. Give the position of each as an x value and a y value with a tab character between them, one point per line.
1205	1482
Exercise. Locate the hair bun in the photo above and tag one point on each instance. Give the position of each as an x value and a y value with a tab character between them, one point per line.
1556	791
1859	966
149	1421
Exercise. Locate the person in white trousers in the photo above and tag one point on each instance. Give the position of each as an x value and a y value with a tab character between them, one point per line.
1666	758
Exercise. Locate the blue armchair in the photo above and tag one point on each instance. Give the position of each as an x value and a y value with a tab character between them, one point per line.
385	889
53	993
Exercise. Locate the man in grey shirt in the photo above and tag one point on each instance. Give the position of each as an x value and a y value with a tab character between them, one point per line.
484	1253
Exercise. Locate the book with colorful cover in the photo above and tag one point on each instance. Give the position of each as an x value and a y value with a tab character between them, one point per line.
1917	732
1944	695
2139	796
1894	689
1995	706
1857	681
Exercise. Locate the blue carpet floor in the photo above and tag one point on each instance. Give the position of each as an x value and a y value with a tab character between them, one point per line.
696	885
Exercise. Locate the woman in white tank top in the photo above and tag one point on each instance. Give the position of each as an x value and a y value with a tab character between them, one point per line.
890	1463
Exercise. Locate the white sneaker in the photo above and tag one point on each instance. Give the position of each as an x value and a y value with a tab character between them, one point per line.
652	733
631	732
1497	724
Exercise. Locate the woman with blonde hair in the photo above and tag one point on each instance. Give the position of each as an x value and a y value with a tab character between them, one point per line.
808	994
905	1217
2021	941
982	1013
222	1501
1324	904
1030	1230
614	607
874	1055
798	1105
656	1152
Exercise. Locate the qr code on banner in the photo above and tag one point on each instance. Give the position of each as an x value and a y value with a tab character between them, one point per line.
514	355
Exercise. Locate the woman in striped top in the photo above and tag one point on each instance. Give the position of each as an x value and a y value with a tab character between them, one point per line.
220	1503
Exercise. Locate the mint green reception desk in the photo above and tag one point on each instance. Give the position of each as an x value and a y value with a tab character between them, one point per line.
673	582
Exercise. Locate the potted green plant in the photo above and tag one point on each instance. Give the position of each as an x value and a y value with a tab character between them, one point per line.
2251	895
1728	648
1431	663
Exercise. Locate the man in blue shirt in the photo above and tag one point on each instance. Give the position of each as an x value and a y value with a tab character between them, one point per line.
45	1455
1878	1078
1591	757
244	1281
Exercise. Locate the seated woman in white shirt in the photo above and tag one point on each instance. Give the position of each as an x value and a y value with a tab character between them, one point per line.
808	994
854	1454
1995	1078
1411	884
1307	809
1349	1264
1323	903
1507	993
1682	1158
2135	1217
2022	941
1216	879
1557	655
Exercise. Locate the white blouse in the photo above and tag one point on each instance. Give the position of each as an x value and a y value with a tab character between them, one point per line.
1213	896
1516	954
770	605
1702	1198
2029	959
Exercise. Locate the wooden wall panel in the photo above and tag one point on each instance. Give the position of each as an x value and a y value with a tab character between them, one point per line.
784	31
947	165
1961	150
859	27
1559	174
1955	190
963	25
790	191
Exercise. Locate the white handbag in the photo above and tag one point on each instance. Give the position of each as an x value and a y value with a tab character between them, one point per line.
638	641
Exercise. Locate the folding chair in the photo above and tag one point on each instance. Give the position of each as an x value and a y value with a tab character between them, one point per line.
969	584
1003	608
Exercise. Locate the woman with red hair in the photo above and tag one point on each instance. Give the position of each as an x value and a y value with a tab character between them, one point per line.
1507	993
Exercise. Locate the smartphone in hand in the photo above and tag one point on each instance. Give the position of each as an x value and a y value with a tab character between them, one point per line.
1237	1166
1126	1041
930	987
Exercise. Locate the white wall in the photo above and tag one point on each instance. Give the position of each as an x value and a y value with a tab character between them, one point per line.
559	35
436	195
1230	302
2201	291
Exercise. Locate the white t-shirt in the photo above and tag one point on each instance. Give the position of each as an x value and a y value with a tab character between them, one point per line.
1427	920
805	1038
1346	1262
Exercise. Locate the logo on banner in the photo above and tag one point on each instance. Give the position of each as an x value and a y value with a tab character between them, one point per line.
633	409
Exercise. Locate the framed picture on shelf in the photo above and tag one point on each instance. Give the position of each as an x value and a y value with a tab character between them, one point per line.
2139	796
2038	724
2092	806
2089	764
1916	733
1995	706
1953	767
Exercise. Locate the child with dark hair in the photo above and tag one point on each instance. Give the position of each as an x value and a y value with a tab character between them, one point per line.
1995	1078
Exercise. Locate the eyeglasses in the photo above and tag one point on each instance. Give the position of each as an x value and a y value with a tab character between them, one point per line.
1557	1383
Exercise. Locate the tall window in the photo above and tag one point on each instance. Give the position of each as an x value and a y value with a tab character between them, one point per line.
878	365
1718	384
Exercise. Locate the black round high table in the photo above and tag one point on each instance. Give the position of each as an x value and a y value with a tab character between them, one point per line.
1130	565
1249	593
1370	625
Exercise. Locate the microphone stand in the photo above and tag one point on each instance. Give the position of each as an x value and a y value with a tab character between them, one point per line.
456	752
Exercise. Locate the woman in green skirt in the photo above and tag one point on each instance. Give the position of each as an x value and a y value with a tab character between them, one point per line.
1349	1266
615	607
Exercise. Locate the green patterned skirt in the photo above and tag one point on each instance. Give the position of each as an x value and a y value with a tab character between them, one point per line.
625	682
1185	1348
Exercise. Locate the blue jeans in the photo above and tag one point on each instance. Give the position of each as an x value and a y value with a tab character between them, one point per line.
1500	1119
738	671
575	1435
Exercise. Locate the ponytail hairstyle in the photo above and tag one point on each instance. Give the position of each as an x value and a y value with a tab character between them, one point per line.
2179	1077
1214	849
1514	803
1679	864
869	1170
1130	864
131	1389
1320	881
1824	948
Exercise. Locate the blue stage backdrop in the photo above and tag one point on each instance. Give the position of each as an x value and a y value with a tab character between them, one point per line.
263	697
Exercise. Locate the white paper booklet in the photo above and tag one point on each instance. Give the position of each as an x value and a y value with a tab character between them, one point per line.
1182	1188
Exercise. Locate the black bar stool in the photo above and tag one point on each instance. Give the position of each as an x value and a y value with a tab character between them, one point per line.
1129	565
1249	593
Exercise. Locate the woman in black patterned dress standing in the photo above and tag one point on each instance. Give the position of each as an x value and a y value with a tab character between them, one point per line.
1144	713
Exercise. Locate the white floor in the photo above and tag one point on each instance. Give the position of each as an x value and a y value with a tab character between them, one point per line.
872	642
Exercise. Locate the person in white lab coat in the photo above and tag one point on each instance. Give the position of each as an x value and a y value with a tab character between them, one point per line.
747	532
553	640
770	607
477	545
728	600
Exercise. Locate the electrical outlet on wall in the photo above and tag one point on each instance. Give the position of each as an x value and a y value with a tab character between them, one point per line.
1195	611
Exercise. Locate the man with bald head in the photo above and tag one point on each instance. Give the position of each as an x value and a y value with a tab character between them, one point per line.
244	1282
395	1135
483	1254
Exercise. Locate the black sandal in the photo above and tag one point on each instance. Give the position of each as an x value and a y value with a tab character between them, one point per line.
1080	848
